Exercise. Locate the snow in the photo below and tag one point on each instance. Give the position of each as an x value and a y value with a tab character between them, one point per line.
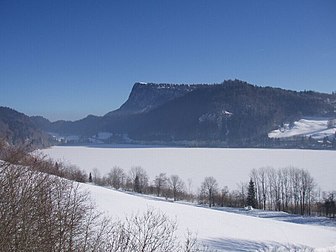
223	229
220	230
228	113
316	128
228	166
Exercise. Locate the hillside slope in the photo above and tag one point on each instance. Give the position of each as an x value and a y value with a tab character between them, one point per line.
220	230
233	112
18	129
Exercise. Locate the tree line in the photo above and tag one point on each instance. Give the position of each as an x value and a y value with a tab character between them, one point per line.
287	189
137	180
290	189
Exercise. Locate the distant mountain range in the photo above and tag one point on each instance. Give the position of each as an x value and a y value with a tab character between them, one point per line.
231	114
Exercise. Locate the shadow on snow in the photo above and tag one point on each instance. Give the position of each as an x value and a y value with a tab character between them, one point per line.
221	244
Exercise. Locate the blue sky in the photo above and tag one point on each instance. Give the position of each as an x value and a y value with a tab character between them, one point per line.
67	59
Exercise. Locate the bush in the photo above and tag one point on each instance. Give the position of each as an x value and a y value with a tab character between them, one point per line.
42	212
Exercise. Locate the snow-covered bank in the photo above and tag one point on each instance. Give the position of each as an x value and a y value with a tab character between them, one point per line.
220	230
315	128
228	166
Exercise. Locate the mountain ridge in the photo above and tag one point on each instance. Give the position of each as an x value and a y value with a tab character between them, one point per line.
233	113
262	107
158	94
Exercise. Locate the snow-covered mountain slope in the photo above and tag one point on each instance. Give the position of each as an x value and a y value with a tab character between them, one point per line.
220	230
228	166
315	128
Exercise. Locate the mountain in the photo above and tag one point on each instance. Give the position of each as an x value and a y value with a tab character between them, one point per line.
233	113
145	97
18	129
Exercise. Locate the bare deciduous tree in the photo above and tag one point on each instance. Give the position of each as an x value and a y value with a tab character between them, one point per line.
138	178
116	177
209	189
160	183
176	185
286	189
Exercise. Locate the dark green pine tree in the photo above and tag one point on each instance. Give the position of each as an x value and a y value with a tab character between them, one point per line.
137	184
251	197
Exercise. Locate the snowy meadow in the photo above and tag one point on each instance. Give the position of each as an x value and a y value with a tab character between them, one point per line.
222	230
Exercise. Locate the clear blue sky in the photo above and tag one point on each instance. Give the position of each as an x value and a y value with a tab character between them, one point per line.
67	59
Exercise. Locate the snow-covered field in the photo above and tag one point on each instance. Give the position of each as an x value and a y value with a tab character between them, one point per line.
228	166
315	128
221	230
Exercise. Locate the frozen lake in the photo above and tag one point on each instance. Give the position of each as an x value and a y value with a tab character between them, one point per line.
228	166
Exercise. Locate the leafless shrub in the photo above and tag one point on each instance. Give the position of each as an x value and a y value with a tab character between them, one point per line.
152	231
191	244
20	156
40	212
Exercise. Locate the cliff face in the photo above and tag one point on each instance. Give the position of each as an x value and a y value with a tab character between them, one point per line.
146	97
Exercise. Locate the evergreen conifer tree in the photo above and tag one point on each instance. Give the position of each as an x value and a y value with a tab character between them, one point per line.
251	197
137	184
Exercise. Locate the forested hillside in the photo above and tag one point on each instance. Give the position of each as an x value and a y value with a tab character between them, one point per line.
18	129
233	113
